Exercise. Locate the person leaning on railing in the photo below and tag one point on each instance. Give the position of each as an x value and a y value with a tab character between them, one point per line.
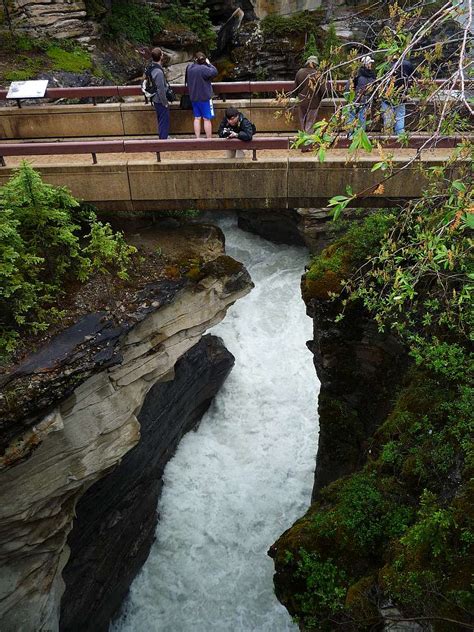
235	125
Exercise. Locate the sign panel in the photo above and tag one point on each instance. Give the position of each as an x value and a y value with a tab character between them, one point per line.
27	89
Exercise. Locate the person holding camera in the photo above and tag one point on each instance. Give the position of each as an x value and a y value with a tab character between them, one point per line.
236	125
198	79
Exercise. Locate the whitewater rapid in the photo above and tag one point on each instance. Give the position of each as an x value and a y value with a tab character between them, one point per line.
243	478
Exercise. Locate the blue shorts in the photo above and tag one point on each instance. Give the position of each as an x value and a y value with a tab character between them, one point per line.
204	109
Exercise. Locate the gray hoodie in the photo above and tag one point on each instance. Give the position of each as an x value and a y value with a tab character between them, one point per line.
158	77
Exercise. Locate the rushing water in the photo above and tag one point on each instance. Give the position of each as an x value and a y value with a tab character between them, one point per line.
243	478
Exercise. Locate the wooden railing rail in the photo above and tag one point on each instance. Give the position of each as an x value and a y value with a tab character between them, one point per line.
192	144
221	88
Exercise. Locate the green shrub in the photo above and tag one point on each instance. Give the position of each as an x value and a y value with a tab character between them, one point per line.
133	21
194	15
41	249
360	241
310	48
95	9
276	25
326	583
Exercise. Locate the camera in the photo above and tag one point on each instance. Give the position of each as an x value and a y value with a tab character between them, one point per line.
226	132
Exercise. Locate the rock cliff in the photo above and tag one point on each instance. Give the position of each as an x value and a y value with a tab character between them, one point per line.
72	412
358	368
116	518
57	18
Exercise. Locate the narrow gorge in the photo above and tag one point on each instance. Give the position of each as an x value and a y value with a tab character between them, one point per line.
220	412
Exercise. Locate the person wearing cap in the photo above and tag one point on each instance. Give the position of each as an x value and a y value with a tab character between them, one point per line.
393	105
361	86
311	90
235	125
198	79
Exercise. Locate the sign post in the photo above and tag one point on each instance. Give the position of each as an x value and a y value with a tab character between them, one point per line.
27	90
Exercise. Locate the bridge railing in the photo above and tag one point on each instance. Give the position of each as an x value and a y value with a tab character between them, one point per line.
191	145
221	88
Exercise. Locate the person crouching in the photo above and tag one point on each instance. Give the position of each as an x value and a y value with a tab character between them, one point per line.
235	125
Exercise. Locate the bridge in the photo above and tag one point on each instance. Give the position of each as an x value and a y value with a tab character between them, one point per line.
130	171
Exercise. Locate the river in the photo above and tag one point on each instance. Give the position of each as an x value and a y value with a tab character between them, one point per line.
243	478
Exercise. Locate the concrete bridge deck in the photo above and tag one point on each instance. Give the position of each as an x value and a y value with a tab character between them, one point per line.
136	182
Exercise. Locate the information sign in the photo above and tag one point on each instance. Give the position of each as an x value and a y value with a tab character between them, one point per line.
27	89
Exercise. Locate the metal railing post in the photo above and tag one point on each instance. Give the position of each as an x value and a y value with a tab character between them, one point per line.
94	158
254	154
158	156
2	162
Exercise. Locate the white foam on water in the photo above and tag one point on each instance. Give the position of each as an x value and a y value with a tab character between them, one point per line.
243	478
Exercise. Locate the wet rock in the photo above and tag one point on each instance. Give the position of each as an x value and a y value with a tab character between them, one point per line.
220	10
116	518
359	369
279	226
90	387
228	32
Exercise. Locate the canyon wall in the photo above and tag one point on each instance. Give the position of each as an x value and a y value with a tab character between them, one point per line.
116	518
69	415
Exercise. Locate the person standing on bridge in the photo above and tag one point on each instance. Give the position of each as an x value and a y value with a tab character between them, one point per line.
159	99
393	104
198	78
360	86
311	91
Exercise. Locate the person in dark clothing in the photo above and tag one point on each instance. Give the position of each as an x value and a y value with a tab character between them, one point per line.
311	90
198	78
159	100
393	104
235	125
361	86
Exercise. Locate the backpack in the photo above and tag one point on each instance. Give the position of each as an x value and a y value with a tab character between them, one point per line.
149	88
148	85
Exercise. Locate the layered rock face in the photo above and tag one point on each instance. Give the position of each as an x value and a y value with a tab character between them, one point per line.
55	18
70	416
283	7
116	518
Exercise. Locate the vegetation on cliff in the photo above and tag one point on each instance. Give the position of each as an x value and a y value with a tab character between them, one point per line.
400	532
47	241
23	58
141	24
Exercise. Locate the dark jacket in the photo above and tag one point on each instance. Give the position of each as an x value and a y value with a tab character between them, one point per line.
309	87
158	76
404	76
361	84
198	78
243	128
